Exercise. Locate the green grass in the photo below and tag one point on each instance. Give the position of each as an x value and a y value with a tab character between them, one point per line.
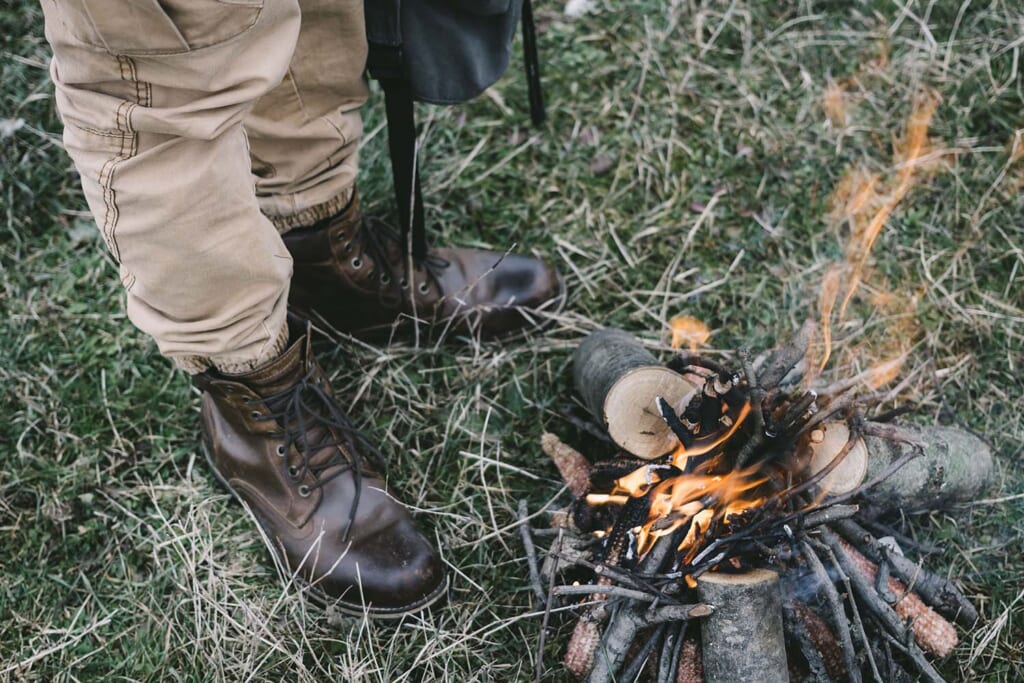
121	559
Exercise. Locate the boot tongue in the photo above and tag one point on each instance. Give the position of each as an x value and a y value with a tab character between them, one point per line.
282	373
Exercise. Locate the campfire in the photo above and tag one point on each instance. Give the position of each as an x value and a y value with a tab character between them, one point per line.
739	534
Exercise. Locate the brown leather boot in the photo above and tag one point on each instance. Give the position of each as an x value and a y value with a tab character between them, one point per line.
277	439
351	270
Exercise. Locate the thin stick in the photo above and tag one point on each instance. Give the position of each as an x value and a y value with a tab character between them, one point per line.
858	623
531	553
839	621
633	669
610	591
669	652
888	618
538	671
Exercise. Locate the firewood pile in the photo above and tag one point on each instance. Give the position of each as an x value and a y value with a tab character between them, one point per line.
740	533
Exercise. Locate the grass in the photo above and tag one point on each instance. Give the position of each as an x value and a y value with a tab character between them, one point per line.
686	167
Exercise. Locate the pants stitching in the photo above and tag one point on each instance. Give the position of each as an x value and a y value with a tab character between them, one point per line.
127	148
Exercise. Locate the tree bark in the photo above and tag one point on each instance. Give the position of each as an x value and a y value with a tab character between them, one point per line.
743	639
953	465
619	380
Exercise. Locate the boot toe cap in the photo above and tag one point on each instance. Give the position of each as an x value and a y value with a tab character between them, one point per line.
396	570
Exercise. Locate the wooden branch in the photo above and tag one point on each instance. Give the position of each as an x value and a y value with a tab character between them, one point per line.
629	618
840	624
743	640
940	593
882	612
787	356
931	631
954	466
618	381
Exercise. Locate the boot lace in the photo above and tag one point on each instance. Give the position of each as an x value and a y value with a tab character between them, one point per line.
381	242
313	422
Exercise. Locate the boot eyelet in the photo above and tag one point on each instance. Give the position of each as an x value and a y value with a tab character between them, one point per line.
403	283
304	491
385	279
423	288
357	263
255	414
280	450
347	247
293	470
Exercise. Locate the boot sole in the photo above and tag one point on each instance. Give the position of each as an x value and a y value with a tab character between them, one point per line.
319	597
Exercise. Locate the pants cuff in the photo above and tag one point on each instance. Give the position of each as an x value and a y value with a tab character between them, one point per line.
313	214
194	365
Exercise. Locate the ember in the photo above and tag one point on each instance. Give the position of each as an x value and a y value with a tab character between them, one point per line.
758	501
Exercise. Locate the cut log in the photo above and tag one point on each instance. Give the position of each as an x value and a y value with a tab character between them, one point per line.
743	640
619	381
953	465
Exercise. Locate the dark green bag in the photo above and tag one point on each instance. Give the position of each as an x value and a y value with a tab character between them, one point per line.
442	52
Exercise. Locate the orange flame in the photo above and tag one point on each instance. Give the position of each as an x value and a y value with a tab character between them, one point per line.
687	330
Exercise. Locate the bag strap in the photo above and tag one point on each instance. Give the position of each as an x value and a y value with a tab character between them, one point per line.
400	110
531	61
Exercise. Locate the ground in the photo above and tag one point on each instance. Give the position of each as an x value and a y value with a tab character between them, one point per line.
689	165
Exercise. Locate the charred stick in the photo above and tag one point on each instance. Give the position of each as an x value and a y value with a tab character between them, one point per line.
531	553
840	624
684	360
757	394
792	420
627	620
670	417
935	590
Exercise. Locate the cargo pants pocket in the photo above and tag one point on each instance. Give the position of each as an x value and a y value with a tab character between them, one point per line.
155	27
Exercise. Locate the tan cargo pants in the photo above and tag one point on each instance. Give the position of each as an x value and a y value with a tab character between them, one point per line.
200	129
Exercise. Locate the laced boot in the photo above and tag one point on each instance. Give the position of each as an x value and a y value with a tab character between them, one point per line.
352	271
277	439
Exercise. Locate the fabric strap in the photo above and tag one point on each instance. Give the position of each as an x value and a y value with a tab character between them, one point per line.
400	110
